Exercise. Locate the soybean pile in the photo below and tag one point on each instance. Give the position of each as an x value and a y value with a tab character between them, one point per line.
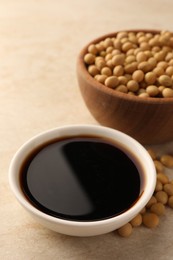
136	63
162	197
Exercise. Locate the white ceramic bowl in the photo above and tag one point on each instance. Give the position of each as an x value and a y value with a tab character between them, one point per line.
81	228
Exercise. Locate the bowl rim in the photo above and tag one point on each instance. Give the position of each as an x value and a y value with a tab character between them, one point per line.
143	199
81	68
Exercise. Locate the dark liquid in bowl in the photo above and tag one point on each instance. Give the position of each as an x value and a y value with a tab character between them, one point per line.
81	179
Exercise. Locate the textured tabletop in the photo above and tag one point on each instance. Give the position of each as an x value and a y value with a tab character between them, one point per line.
39	44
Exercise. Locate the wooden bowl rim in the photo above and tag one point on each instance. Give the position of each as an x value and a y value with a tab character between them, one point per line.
81	67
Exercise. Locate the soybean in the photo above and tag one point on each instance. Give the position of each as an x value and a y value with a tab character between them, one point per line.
158	209
150	220
126	230
161	196
111	82
136	221
167	160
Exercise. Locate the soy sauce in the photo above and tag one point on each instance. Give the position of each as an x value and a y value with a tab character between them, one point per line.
81	179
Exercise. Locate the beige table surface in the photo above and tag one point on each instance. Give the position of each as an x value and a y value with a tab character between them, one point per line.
39	43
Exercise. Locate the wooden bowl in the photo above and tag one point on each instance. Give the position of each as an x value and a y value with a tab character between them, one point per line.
148	120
